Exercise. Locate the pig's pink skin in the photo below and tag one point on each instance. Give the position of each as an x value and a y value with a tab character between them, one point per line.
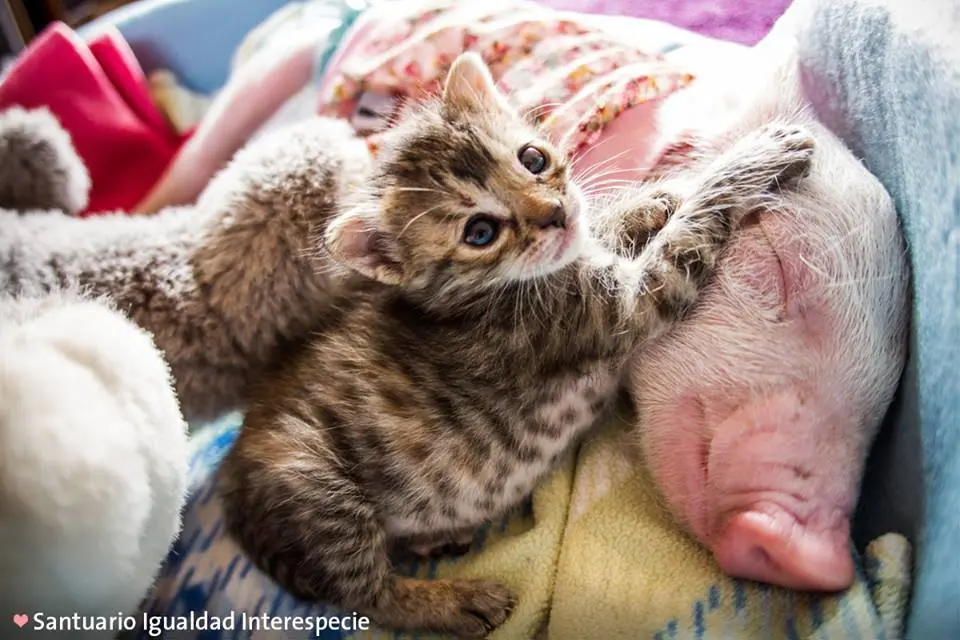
778	495
756	414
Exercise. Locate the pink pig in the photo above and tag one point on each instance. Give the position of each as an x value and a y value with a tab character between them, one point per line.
756	414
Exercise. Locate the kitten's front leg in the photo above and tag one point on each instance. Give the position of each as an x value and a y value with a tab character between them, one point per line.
676	264
645	296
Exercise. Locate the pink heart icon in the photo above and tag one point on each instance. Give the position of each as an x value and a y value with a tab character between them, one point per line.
20	619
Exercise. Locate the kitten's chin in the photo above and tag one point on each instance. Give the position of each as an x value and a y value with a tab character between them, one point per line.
567	249
562	251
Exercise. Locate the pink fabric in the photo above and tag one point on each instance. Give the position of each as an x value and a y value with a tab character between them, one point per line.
743	21
573	77
122	69
100	95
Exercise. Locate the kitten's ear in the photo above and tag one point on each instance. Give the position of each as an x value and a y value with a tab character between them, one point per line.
470	88
354	240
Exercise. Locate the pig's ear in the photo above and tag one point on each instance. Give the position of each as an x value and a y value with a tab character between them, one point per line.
355	239
470	89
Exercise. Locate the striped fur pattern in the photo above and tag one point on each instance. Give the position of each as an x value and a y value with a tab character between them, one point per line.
458	375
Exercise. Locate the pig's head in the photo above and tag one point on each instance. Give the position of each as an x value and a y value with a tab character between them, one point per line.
756	414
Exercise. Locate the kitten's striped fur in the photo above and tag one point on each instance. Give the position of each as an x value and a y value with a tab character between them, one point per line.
451	383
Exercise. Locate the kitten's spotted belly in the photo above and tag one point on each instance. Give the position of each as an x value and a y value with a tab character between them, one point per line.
510	476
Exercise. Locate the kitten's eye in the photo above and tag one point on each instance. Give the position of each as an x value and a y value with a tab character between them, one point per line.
480	231
532	159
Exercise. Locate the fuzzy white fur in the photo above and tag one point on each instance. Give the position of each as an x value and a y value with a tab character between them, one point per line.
93	473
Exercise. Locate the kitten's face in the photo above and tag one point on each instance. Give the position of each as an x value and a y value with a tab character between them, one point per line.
470	195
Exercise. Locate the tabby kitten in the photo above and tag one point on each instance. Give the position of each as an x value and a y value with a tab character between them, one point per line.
490	335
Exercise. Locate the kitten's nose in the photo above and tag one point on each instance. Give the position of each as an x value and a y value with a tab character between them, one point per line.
556	217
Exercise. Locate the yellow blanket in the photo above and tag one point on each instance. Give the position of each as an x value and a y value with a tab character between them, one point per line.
597	556
593	555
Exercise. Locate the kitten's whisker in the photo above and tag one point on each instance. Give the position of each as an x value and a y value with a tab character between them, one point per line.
605	179
635	171
585	172
417	217
614	175
585	178
542	307
632	175
423	189
606	191
533	112
523	315
579	154
603	183
586	150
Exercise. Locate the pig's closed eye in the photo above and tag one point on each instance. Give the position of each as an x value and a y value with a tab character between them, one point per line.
781	280
764	274
791	289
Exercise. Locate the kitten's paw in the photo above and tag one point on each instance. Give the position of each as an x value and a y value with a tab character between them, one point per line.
790	137
795	146
480	606
652	213
644	219
466	608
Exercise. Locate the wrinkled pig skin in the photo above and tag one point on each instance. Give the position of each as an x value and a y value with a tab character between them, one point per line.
756	415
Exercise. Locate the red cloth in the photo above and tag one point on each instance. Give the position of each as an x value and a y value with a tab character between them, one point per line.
101	97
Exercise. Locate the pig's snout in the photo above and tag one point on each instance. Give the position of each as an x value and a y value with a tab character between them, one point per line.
780	496
769	544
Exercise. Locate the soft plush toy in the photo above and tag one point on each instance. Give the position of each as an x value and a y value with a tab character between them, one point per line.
93	435
93	444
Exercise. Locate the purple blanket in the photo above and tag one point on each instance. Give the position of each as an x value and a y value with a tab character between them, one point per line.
743	21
